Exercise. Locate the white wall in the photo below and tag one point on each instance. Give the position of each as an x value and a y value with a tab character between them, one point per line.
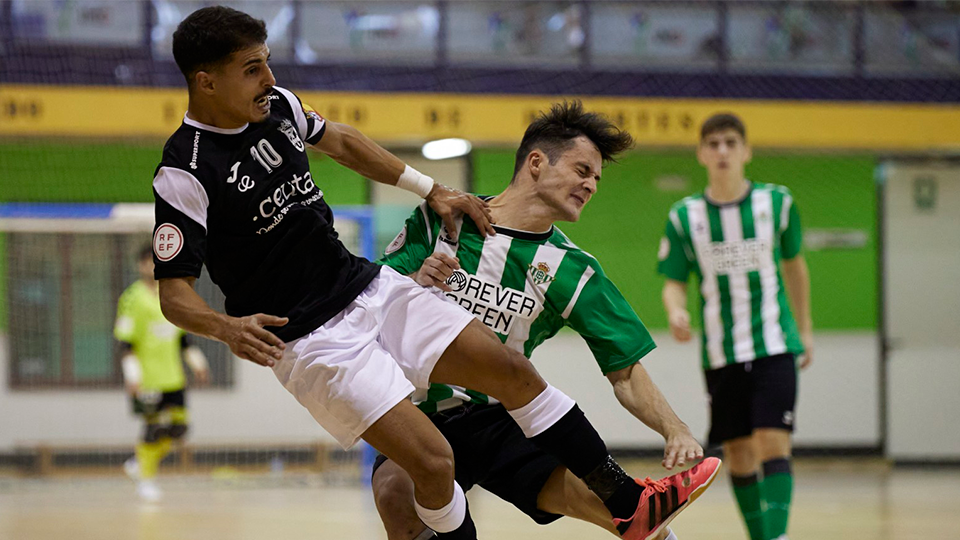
256	409
922	304
838	401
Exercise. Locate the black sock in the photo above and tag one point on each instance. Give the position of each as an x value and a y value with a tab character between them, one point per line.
577	445
617	489
466	531
574	442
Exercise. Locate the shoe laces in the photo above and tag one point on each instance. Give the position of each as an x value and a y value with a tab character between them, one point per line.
657	485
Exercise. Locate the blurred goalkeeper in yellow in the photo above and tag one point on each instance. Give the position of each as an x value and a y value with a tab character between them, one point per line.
153	374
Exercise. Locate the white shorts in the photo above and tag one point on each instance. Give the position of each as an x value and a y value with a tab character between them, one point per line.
370	356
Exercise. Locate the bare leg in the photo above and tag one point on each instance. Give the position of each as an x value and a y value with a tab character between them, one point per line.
477	360
772	443
393	493
567	495
741	456
407	437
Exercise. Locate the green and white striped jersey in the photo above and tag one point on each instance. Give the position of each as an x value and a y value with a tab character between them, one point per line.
525	287
735	249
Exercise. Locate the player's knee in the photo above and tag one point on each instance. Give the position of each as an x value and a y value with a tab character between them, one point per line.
741	455
177	431
517	376
393	491
433	467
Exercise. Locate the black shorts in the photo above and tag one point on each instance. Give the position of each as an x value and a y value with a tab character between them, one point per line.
489	450
757	394
152	403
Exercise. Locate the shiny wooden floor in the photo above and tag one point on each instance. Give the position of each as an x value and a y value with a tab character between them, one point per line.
834	500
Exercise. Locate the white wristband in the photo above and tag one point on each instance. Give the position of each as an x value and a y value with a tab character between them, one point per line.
414	181
130	366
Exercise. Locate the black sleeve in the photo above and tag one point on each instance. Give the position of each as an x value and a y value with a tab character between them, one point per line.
179	239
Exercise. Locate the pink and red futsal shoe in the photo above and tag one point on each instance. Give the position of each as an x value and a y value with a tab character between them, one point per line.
662	500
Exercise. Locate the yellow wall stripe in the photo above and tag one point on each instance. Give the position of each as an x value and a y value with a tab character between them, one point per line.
498	119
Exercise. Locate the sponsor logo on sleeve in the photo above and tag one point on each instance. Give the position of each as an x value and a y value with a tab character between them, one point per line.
397	242
167	242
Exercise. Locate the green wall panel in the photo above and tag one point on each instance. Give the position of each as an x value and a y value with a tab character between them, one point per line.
623	223
36	171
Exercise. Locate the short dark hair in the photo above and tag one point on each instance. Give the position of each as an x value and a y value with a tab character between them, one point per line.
145	252
208	36
554	132
720	122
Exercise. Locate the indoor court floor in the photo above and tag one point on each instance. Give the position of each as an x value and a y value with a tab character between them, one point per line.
834	500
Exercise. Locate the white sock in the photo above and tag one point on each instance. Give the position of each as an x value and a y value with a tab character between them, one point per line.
543	411
447	518
670	535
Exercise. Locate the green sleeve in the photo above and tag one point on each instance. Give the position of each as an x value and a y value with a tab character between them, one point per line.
125	327
791	239
613	331
673	261
413	244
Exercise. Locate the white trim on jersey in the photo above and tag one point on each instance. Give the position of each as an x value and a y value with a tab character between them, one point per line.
298	114
732	224
709	289
520	333
223	131
773	338
424	209
183	191
584	278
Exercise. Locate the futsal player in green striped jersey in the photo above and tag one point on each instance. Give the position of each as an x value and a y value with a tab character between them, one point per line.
742	239
153	374
525	283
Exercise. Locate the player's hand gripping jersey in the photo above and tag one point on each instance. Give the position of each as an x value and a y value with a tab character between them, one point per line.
525	287
735	250
243	202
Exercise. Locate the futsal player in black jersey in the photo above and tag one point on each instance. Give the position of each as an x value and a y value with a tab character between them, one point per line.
349	339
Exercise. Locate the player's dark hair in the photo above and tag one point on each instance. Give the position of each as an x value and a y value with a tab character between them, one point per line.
145	252
553	132
209	36
721	122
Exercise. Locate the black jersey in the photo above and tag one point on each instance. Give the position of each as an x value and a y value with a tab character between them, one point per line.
243	202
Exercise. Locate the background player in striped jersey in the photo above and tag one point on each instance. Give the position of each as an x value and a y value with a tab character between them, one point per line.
738	236
526	283
153	373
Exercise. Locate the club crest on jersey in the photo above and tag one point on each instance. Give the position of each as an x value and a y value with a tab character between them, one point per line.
287	128
540	273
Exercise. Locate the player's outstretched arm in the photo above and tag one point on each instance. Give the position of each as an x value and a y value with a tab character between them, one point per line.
796	279
354	150
246	336
637	393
